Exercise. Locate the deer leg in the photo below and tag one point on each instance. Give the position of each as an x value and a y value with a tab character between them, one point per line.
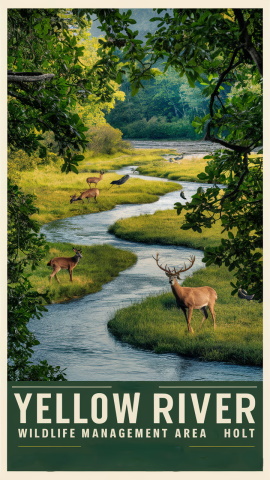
70	274
53	274
190	311
205	315
211	308
188	318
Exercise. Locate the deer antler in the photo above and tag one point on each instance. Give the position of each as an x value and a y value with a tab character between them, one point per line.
174	271
167	270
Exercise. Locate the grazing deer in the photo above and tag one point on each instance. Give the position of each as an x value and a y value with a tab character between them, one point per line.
188	298
67	263
91	193
95	180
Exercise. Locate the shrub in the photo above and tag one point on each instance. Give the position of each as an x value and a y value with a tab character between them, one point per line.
106	139
159	128
20	161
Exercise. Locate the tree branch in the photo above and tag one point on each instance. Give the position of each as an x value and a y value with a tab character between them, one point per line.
232	146
208	136
230	67
248	45
14	77
241	179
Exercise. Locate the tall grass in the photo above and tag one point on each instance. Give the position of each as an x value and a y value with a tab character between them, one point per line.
100	264
156	324
164	227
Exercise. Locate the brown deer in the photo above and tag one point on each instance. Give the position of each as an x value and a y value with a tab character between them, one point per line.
67	263
188	298
95	180
91	193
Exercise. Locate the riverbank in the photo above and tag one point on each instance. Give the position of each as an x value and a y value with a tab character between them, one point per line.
164	227
100	264
156	324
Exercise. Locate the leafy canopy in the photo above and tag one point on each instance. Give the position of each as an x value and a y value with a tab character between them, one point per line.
55	42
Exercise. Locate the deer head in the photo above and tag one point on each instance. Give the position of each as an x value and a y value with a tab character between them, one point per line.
73	198
78	252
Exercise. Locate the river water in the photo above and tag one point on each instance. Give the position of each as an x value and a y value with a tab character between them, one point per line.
74	335
187	147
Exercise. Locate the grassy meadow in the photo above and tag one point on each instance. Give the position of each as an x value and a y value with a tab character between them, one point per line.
164	227
156	324
186	170
53	189
100	264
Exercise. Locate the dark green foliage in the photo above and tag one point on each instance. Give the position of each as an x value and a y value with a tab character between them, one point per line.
41	40
240	209
158	128
25	247
163	109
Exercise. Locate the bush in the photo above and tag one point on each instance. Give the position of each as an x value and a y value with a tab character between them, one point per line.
20	161
106	139
159	128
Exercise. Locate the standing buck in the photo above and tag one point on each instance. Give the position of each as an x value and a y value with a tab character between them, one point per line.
188	298
91	193
95	180
67	263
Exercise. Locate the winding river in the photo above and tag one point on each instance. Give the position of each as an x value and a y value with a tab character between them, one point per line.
75	336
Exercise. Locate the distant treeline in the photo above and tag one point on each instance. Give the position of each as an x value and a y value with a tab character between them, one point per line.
166	106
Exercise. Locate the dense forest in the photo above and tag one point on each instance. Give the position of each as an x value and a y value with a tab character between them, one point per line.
166	105
165	108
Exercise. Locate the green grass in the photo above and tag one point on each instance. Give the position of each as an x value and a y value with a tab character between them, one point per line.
53	190
100	264
164	227
118	160
186	170
156	324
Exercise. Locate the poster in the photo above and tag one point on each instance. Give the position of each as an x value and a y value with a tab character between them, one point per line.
136	425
